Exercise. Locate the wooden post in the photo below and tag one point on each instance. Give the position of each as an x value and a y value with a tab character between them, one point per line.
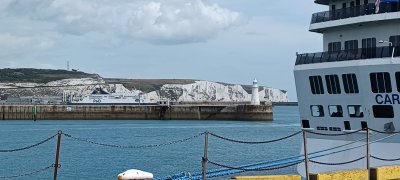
205	157
57	155
368	153
306	154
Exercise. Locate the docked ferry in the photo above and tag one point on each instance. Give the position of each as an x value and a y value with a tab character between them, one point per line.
353	85
100	96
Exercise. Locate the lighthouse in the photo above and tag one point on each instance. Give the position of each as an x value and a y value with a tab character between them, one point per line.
255	98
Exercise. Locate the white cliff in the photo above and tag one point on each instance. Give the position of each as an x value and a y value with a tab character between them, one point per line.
199	91
206	91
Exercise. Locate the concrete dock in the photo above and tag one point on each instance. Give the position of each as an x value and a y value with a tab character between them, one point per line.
100	112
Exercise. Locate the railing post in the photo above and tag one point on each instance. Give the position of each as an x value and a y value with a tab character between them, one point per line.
305	154
393	48
368	153
57	155
205	157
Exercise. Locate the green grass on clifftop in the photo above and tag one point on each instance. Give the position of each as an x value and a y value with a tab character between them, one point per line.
28	75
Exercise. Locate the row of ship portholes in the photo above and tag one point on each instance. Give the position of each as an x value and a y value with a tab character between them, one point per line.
350	84
353	111
380	83
347	126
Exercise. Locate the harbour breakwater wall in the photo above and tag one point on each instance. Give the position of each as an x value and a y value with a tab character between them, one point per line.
100	112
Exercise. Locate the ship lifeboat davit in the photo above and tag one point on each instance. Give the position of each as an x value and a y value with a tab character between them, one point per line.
134	174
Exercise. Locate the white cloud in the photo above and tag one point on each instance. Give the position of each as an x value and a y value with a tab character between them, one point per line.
16	46
8	40
159	21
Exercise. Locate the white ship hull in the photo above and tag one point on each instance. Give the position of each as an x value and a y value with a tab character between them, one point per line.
111	100
386	148
102	97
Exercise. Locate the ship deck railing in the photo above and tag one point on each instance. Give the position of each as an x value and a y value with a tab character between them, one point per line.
361	10
348	55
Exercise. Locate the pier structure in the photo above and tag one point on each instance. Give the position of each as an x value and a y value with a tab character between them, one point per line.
135	112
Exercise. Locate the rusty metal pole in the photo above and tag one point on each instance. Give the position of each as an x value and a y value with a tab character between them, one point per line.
57	154
205	156
306	154
368	152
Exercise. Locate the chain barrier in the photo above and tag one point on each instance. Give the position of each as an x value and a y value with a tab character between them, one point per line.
130	146
343	134
383	159
254	142
27	174
255	169
337	164
384	132
28	147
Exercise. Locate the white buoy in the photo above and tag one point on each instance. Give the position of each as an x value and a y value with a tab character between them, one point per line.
134	174
255	97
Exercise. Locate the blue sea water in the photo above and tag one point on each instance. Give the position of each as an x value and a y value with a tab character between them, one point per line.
80	160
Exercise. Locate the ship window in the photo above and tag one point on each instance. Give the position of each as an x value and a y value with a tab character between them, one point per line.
365	2
350	83
332	84
322	128
380	82
335	111
305	124
369	47
395	40
350	45
364	125
317	111
344	5
334	46
335	129
347	125
383	111
316	85
355	111
398	80
358	2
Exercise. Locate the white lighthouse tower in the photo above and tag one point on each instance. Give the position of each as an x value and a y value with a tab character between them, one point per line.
255	98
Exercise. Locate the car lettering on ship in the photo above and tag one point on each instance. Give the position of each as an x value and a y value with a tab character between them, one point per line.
387	99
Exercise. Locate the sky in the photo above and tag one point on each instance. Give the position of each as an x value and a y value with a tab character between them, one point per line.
232	41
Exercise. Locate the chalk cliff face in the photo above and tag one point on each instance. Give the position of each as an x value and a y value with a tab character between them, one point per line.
77	86
199	91
206	91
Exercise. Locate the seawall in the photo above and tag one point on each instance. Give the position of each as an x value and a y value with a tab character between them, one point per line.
99	112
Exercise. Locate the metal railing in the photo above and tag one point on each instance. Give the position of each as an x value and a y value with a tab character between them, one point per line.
348	55
355	11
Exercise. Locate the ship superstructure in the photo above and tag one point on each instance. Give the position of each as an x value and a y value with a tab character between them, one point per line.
101	96
353	84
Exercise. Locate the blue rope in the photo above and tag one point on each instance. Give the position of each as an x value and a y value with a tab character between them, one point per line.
269	164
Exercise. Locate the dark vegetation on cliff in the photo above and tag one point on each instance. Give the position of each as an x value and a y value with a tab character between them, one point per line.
29	75
147	85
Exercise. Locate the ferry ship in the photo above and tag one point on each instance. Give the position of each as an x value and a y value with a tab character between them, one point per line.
354	84
100	96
